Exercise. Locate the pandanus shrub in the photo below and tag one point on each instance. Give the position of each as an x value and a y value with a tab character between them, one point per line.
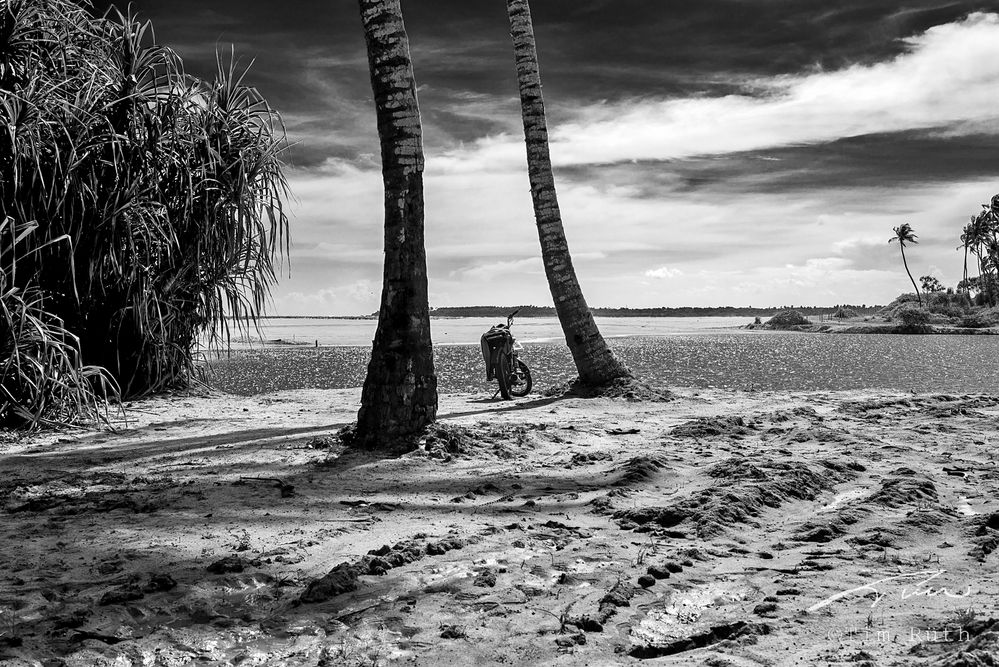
168	190
42	378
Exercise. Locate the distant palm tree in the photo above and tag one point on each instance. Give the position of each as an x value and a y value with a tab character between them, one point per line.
399	397
966	238
990	266
979	234
594	360
990	244
904	234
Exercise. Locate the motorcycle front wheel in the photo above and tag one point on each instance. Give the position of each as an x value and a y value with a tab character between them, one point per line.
513	381
520	380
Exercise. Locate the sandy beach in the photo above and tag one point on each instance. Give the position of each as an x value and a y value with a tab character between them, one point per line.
721	528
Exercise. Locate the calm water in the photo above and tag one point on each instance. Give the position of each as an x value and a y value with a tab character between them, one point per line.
466	330
777	360
682	352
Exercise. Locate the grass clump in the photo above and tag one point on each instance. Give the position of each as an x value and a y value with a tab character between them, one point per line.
913	319
979	320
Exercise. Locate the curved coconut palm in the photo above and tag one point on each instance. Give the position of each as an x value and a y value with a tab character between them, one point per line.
594	360
904	234
399	397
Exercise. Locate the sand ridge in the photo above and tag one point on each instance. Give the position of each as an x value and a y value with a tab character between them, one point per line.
716	529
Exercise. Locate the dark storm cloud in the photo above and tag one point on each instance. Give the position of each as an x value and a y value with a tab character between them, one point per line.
635	47
310	62
884	161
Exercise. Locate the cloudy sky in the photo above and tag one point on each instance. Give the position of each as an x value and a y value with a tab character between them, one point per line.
707	152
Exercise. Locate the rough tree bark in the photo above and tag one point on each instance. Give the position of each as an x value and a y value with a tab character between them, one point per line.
919	296
399	397
594	360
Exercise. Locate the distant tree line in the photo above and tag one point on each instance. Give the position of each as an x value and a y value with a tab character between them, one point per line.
685	311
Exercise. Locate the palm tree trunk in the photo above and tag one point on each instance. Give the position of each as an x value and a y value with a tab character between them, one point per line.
966	289
594	360
981	276
399	397
993	256
906	265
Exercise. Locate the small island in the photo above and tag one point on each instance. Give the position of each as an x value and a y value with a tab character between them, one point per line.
945	313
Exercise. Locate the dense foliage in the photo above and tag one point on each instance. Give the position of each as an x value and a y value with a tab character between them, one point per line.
164	192
914	318
980	238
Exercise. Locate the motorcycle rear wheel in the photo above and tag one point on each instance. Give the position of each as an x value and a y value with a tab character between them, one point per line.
503	374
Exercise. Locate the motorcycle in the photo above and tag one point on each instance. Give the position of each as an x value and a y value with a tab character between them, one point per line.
500	352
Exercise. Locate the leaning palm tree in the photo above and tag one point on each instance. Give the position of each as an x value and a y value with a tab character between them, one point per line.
399	397
594	360
904	234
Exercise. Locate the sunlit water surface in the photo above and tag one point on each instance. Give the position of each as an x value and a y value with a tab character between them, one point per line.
682	352
466	330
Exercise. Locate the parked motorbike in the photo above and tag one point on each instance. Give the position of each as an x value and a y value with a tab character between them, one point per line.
500	350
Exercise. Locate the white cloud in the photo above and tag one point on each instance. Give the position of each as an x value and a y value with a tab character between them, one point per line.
356	298
947	78
478	255
684	248
493	270
663	272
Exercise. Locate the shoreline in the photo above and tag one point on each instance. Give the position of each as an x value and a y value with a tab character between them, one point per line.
886	328
825	326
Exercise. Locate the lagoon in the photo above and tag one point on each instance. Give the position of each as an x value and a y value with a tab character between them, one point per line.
677	352
466	330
